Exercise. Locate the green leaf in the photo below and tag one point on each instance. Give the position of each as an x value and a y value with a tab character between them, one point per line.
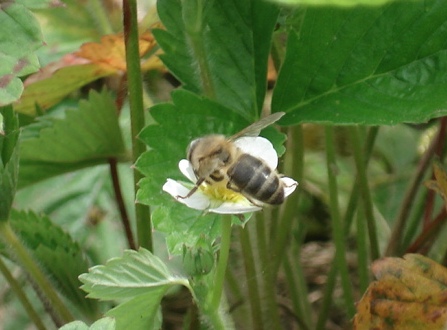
141	312
232	56
20	36
178	124
106	323
52	248
87	136
137	272
366	65
9	160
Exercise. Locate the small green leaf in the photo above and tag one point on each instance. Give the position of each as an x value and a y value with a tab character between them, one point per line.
137	272
87	136
365	65
106	323
234	56
9	160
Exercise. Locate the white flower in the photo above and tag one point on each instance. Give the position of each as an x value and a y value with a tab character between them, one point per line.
218	198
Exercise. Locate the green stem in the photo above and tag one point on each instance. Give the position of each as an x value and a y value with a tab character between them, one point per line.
135	87
222	262
294	164
268	275
337	225
298	291
252	283
34	271
362	250
327	300
17	288
365	191
353	199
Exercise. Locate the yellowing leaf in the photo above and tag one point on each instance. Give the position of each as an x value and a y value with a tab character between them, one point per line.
110	52
411	293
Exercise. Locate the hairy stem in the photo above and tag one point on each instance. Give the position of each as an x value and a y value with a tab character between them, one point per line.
337	225
251	279
135	87
18	290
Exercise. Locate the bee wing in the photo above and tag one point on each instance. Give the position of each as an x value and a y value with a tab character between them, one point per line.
255	128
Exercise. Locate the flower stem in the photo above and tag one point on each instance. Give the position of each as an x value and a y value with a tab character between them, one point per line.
34	271
222	262
252	283
135	87
365	191
337	225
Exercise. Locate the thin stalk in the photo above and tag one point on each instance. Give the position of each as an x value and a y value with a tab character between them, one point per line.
18	290
353	198
337	225
327	297
268	275
252	283
362	250
395	242
294	164
120	203
365	191
298	293
222	262
34	271
135	87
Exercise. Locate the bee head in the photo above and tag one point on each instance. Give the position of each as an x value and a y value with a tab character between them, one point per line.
209	154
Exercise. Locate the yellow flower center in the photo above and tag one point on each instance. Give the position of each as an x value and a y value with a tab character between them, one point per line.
219	192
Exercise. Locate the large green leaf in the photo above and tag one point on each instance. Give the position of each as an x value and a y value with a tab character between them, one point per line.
135	273
366	65
178	124
9	160
20	36
232	43
86	136
52	248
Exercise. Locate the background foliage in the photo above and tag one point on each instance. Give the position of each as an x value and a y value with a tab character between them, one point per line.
98	107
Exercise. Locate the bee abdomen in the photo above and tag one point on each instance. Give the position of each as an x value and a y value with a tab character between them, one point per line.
254	178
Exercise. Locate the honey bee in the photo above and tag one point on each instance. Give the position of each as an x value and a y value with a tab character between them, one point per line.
216	158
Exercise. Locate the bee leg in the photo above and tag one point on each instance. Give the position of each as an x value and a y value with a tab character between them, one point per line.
192	191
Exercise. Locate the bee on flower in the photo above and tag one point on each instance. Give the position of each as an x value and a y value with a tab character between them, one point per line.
232	175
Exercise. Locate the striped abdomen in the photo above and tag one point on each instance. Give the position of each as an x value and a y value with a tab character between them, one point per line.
253	178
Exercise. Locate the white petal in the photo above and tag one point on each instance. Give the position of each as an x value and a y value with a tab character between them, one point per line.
197	201
233	208
289	185
186	169
259	147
